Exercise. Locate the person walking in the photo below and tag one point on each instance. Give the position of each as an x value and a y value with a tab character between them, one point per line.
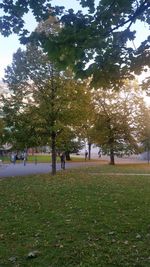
63	160
99	154
24	158
13	158
86	154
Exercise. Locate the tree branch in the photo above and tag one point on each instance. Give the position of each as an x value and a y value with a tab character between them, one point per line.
138	12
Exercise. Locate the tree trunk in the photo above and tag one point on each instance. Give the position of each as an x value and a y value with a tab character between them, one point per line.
89	151
32	151
67	153
53	146
112	158
53	119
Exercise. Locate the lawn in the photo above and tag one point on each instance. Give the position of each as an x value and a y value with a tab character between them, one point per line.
43	158
85	218
127	168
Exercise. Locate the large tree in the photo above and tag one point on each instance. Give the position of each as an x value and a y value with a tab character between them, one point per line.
43	102
97	44
93	43
119	120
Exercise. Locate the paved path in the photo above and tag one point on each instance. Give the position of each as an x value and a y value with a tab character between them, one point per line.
11	170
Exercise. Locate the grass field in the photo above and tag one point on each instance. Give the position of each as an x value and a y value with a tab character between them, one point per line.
77	218
42	158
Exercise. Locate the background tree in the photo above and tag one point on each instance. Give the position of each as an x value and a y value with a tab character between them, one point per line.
85	131
2	132
43	101
21	125
118	121
145	132
68	142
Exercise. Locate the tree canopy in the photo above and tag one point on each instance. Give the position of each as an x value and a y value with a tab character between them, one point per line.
119	120
43	102
97	44
94	42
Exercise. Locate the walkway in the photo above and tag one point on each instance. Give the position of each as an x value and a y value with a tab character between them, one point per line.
11	170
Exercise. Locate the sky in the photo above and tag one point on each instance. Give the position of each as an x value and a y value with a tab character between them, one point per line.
9	45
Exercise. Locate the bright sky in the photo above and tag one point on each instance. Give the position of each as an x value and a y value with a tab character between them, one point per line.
9	45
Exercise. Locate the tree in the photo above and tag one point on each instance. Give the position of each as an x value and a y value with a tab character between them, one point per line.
93	43
118	120
2	130
85	131
43	102
68	142
97	44
21	124
145	132
12	20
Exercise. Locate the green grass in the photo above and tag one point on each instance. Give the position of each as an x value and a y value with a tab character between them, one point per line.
43	159
142	168
77	218
47	158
